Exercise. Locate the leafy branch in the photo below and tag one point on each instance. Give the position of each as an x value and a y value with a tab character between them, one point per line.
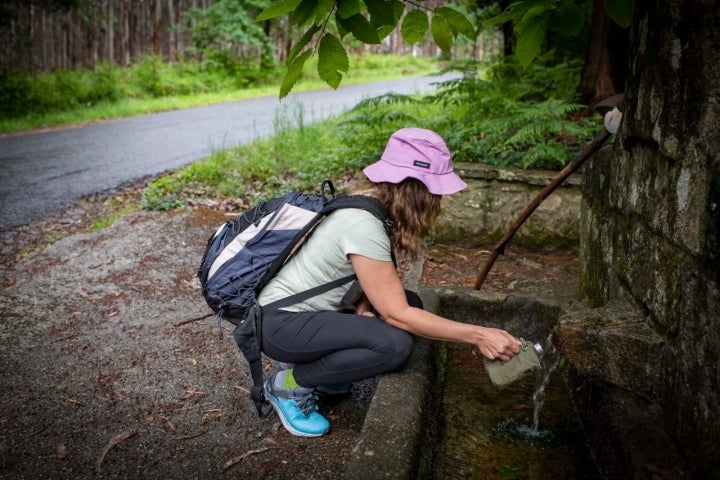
533	19
369	22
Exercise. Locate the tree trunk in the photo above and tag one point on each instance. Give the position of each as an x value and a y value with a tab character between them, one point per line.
156	27
126	33
136	29
507	31
110	32
606	59
44	58
95	35
172	51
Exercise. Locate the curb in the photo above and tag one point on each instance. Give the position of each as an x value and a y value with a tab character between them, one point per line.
390	442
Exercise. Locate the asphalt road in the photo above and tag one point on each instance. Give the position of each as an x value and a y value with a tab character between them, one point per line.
45	172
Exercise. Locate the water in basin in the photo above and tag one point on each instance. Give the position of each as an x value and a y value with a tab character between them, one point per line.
487	433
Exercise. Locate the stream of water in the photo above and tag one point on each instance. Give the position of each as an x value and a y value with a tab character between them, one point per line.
550	362
527	430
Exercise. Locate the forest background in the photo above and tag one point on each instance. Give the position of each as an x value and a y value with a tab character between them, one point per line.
531	71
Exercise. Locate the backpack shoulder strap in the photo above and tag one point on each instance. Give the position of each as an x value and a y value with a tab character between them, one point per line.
370	204
364	202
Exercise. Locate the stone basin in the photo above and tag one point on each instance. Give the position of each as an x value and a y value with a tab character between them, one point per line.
423	421
442	418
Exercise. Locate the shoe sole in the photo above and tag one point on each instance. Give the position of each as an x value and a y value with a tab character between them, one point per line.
287	426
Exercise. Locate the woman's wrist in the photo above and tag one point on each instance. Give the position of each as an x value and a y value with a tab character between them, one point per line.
479	335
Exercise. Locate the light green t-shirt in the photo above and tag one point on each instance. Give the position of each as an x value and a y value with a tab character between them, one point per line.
324	257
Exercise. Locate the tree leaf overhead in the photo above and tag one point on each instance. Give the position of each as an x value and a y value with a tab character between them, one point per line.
441	33
332	60
414	26
277	9
293	73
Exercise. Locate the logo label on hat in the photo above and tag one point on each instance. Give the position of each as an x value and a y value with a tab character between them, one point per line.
421	164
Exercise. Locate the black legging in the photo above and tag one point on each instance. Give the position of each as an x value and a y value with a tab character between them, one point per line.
334	347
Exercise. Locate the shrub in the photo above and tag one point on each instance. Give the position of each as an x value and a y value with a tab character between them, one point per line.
149	77
15	94
104	84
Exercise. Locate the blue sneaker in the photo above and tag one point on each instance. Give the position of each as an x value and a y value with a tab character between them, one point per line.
297	409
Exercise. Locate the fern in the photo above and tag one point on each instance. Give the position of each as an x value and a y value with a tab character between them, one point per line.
384	100
525	135
503	114
379	115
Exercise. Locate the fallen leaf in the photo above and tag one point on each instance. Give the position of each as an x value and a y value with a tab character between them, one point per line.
242	389
119	438
189	393
61	451
239	458
170	425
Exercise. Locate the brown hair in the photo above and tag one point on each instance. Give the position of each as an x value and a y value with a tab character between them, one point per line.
410	205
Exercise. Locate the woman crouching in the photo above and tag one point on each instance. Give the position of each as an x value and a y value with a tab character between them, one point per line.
322	345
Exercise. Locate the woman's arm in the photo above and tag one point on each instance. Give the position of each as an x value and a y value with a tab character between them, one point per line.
384	290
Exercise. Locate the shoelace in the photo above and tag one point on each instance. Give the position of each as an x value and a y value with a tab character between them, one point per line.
307	403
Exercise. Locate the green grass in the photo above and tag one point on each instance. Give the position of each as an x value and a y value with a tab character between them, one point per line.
298	156
483	118
133	94
102	223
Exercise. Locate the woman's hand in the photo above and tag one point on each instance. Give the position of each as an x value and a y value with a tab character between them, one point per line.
364	307
496	343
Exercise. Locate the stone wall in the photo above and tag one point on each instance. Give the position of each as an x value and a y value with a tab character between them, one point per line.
481	214
651	218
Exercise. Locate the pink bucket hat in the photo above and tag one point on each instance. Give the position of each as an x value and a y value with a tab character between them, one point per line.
420	154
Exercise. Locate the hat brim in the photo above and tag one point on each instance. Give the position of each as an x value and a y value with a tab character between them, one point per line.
438	184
